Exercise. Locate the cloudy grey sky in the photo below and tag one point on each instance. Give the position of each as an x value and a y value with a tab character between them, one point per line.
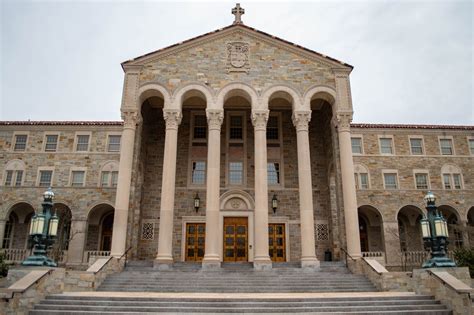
60	60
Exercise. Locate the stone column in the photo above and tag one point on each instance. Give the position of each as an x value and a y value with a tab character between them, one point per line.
119	236
343	120
75	251
393	253
3	224
262	259
308	256
464	232
211	258
165	236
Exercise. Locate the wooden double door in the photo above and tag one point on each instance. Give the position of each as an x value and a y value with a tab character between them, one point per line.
277	242
236	239
195	241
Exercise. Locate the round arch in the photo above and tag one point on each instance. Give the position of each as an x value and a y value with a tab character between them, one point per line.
294	96
96	211
248	92
407	209
372	214
204	90
153	89
240	195
320	91
450	213
24	208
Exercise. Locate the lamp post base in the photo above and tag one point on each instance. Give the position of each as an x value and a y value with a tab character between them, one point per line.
39	258
438	262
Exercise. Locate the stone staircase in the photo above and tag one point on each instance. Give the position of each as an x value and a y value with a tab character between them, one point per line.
237	288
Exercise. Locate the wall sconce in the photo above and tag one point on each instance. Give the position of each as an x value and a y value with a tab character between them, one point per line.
197	202
274	203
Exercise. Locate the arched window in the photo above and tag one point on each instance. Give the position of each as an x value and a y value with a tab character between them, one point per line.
14	173
109	174
361	176
451	176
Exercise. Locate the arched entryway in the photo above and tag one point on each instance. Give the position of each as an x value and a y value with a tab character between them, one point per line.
409	229
100	228
455	229
16	231
370	230
470	226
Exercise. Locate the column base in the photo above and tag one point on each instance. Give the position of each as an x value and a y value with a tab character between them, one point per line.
262	264
310	263
211	262
163	263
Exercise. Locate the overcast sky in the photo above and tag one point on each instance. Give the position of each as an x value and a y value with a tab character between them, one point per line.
413	60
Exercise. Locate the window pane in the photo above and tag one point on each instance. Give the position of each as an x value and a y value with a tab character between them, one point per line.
51	142
236	130
447	181
273	173
104	179
236	173
272	128
20	142
19	177
390	180
77	178
364	181
416	146
114	143
45	178
356	145
114	178
421	181
200	127
82	143
446	146
471	146
199	173
386	145
8	178
457	181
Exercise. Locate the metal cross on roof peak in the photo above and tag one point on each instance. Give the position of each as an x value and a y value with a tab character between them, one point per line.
238	11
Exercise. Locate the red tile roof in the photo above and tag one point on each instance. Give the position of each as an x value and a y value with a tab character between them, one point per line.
244	26
406	126
60	123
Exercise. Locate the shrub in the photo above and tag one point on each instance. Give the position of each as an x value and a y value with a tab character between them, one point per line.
465	258
3	266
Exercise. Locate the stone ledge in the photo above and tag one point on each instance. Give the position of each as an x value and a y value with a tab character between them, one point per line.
452	281
27	281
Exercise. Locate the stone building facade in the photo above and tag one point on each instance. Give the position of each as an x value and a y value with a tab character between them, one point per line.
235	146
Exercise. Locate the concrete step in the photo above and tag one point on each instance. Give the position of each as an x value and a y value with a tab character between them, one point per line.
346	303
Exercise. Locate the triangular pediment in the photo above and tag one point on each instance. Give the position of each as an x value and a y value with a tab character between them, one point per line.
237	31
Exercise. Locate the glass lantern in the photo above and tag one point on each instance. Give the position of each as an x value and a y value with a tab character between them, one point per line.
53	226
441	227
425	228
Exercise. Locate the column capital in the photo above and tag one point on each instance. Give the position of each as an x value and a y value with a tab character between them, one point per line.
172	118
301	119
342	120
215	117
130	119
259	119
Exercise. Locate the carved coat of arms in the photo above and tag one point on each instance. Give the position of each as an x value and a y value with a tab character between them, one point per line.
238	55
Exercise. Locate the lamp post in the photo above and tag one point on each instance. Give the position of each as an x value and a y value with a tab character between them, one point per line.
197	203
274	203
43	232
435	235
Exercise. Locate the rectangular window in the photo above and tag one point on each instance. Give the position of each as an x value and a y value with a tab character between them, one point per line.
236	173
8	178
45	178
471	146
236	128
272	128
421	180
447	181
51	143
114	178
386	146
446	146
104	179
19	177
20	142
114	143
457	181
390	180
356	145
364	181
77	178
416	146
199	173
200	127
82	143
273	173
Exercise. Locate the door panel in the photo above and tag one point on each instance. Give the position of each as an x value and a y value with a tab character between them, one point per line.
277	242
235	239
195	241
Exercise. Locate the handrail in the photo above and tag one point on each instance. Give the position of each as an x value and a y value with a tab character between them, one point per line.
126	256
347	254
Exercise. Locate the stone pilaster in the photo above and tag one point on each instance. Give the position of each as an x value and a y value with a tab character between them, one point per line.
261	259
308	253
165	237
342	121
211	254
119	236
76	244
391	243
3	224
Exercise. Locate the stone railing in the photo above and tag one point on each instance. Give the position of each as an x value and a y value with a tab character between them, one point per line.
90	256
14	255
373	254
415	259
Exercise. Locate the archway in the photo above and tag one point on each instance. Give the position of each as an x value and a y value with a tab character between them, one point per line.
99	228
17	226
454	228
470	225
409	229
370	229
